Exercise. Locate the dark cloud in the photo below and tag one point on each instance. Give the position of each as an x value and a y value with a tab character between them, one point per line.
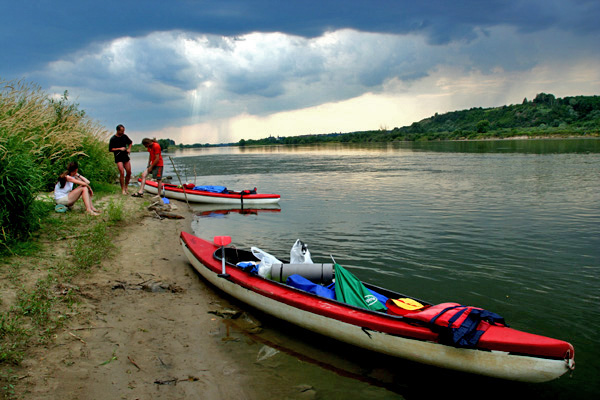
33	33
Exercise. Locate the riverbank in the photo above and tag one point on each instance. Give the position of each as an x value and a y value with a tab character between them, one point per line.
144	326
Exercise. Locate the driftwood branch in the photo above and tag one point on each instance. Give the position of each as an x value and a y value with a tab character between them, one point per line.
174	381
134	363
166	214
77	337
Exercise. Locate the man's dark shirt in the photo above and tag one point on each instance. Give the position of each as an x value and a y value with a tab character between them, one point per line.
118	142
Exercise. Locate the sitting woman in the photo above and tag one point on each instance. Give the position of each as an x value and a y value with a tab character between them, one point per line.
65	194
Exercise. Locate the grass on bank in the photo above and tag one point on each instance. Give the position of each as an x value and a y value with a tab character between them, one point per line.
38	293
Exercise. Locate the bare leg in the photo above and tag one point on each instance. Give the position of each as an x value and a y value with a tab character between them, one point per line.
74	195
160	186
144	176
122	177
127	166
87	200
84	193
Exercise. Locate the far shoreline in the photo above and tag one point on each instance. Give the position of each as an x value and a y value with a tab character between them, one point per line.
591	136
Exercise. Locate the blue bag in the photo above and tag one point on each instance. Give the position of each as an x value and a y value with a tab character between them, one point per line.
248	266
211	188
299	282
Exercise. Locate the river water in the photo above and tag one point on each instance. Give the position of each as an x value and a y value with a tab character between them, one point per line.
510	226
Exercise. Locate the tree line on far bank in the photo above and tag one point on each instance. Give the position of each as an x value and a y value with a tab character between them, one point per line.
164	145
543	116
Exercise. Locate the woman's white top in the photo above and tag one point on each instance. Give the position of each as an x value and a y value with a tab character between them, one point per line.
59	192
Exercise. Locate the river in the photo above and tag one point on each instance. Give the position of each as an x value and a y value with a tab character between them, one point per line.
512	226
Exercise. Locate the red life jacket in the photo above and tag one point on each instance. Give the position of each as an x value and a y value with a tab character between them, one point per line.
459	325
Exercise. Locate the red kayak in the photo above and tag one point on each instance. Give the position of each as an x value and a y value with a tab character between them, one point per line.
402	330
244	197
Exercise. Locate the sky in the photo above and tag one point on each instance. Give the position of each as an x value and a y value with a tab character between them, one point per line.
198	71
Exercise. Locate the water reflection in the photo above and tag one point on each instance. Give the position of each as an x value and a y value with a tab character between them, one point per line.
529	146
219	211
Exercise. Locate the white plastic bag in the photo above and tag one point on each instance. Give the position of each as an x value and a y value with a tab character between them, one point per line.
300	254
266	261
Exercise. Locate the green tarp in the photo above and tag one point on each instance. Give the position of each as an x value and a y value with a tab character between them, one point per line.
350	290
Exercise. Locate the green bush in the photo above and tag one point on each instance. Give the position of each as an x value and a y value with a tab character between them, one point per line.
20	179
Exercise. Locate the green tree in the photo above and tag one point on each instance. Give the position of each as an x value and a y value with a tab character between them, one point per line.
164	143
543	98
483	126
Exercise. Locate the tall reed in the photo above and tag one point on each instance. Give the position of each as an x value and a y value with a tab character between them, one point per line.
39	135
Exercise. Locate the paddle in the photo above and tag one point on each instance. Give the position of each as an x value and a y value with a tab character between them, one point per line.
222	241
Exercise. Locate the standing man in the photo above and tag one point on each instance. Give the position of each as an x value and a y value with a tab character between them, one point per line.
155	166
120	145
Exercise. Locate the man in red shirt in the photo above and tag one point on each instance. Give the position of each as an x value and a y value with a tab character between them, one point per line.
155	165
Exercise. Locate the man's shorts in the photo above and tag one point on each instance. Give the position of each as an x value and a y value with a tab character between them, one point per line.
157	172
121	156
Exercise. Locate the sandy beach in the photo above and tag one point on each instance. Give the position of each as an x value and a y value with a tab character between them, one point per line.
147	327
